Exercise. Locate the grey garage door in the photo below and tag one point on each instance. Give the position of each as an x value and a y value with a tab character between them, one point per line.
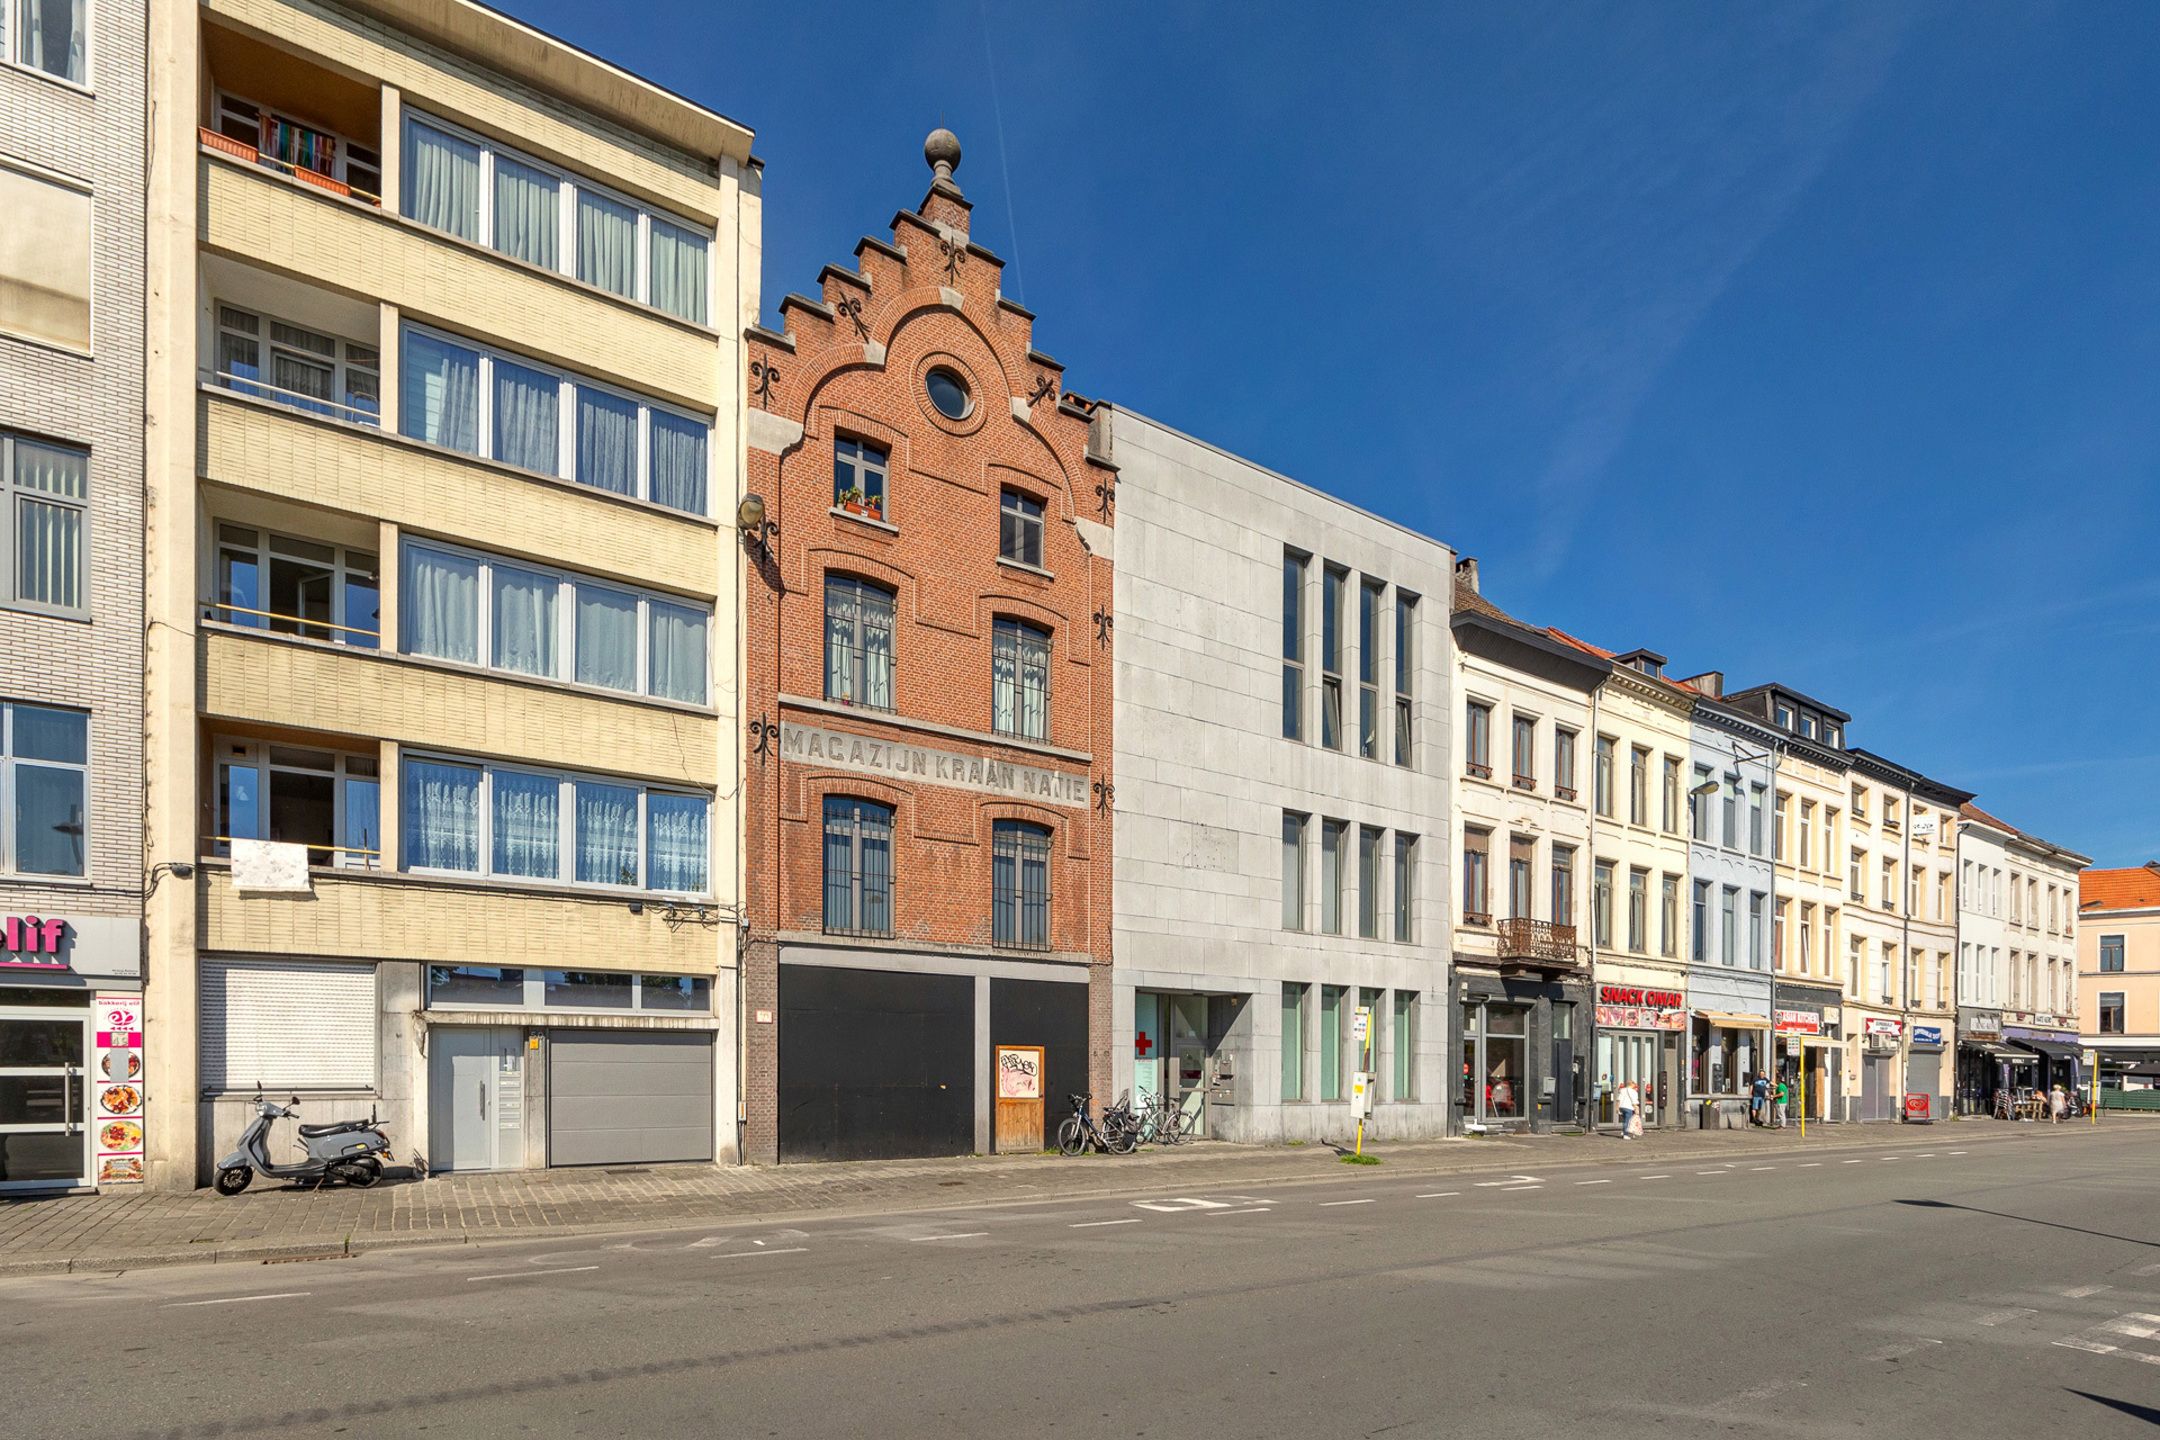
620	1096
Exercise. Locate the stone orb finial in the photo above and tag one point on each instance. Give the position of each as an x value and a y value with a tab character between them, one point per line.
942	151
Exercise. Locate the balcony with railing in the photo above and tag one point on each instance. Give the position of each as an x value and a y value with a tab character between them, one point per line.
274	339
1539	944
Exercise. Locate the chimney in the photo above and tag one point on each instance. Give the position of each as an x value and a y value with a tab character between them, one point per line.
1466	573
1710	682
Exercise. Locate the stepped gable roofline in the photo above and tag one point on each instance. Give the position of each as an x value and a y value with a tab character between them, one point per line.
2136	887
1974	814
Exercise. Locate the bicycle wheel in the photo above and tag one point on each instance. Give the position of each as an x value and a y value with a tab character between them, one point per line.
1072	1136
1123	1140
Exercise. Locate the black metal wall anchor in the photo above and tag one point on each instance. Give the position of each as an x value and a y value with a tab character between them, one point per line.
762	734
955	255
1105	496
764	377
1044	385
851	307
1105	622
1105	792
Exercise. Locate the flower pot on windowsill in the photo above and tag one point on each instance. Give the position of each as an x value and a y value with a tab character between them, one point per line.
867	509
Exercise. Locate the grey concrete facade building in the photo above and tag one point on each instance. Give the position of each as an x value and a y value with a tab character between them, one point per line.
1285	678
1732	895
71	484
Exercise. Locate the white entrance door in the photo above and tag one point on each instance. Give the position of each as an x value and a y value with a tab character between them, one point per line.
476	1099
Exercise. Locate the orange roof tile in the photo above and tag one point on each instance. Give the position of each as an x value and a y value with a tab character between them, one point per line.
2137	888
1603	654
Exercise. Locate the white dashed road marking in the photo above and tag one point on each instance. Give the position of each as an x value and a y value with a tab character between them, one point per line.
1999	1317
760	1254
1654	1177
1093	1224
1759	1168
1248	1210
1183	1202
530	1274
1439	1194
1327	1203
2082	1291
243	1299
1593	1182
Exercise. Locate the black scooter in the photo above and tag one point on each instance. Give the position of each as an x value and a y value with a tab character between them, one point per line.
350	1150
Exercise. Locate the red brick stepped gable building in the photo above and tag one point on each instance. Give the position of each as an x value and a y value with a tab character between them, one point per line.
927	673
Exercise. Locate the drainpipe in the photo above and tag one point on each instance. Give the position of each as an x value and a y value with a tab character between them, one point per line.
1912	971
1590	910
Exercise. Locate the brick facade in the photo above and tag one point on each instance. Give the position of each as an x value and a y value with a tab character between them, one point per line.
852	366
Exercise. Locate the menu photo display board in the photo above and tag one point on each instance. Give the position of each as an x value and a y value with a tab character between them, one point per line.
116	1088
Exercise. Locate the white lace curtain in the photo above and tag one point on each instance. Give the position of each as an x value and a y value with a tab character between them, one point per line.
607	837
441	819
52	37
527	825
675	842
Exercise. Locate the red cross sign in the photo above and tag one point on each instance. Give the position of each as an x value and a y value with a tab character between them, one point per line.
1142	1045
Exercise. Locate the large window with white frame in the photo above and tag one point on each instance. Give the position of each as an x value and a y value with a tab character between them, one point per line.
263	356
511	822
44	519
478	609
465	397
44	786
327	800
459	183
48	35
267	581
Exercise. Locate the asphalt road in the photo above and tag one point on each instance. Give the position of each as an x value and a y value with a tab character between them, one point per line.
1972	1283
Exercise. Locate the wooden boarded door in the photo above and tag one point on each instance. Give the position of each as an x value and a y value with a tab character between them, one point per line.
1019	1120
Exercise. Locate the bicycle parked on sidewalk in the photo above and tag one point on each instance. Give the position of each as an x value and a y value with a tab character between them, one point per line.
1080	1131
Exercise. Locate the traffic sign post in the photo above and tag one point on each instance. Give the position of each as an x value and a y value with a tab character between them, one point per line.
1361	1082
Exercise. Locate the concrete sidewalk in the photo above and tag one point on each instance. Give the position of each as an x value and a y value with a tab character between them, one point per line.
123	1232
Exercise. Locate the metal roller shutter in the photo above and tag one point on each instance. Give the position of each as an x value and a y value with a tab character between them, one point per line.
287	1025
629	1096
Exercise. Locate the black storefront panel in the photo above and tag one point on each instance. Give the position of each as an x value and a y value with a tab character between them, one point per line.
875	1064
1054	1016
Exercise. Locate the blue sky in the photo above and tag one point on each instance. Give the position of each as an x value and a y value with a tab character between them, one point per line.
1815	343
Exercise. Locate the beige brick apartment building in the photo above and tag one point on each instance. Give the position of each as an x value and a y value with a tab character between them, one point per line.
71	371
444	407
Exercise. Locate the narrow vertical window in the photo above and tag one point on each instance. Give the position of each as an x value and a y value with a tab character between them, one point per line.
1331	1038
1563	885
1333	584
1672	796
858	642
1368	882
858	866
1601	904
1405	673
1294	827
1522	888
1476	883
1729	926
1020	679
1638	910
1477	739
1369	602
1020	885
1405	1077
1293	1040
1293	641
1638	786
1522	753
859	470
1669	915
1020	529
1699	944
1334	835
1563	746
1603	779
1405	887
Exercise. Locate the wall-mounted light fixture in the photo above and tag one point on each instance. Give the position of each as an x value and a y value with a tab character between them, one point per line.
758	530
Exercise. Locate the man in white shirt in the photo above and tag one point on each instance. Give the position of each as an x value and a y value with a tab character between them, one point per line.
1627	1099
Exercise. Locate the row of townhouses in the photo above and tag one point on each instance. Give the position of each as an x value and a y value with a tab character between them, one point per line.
456	661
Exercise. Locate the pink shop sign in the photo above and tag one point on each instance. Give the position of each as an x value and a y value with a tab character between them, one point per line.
28	942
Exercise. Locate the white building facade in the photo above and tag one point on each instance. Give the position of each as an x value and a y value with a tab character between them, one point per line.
2017	998
1284	692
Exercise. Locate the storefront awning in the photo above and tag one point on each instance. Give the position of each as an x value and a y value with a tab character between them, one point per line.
1734	1022
2055	1049
1985	1047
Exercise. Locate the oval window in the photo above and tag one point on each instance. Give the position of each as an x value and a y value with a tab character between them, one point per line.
949	393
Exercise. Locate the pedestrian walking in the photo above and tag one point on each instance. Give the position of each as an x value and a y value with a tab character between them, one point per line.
2057	1103
1758	1100
1782	1095
1627	1099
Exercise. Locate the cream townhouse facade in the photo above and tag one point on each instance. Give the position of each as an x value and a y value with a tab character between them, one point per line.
2017	965
445	403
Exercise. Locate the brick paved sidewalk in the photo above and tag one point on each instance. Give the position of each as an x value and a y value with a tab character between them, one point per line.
119	1232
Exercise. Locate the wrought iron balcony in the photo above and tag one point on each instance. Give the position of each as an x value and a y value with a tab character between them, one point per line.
1539	943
